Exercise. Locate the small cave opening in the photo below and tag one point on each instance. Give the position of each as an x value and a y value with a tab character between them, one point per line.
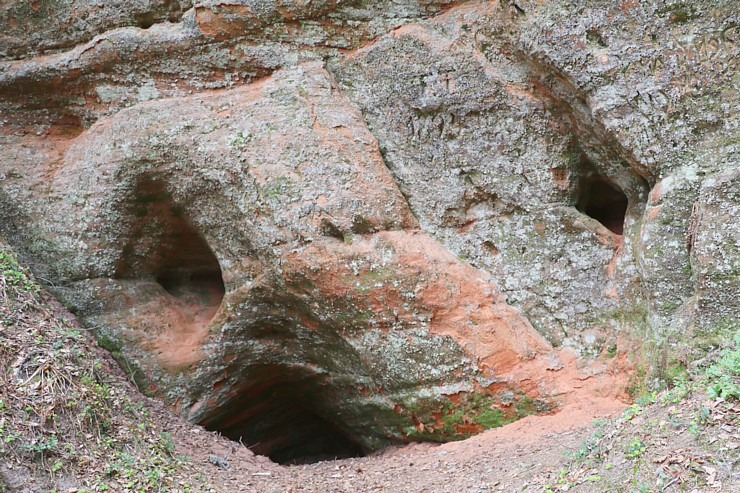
187	268
287	413
604	201
145	20
163	245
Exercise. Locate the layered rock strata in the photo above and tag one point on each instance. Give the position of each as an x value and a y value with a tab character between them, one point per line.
324	227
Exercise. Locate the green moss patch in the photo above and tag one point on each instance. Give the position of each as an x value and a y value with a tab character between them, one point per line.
451	418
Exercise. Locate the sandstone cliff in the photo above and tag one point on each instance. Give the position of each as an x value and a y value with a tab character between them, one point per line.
324	227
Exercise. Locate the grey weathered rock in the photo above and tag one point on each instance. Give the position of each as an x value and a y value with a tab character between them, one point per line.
32	28
98	58
715	253
495	121
247	203
259	246
494	168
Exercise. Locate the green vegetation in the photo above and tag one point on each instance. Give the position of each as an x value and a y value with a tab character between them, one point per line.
632	318
678	13
710	338
631	412
240	139
13	278
720	378
476	411
635	449
590	450
491	418
672	437
353	318
369	279
61	410
723	377
276	188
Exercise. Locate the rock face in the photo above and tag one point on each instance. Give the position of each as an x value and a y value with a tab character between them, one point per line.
324	227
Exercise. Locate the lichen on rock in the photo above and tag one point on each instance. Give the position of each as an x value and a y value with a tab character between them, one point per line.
325	227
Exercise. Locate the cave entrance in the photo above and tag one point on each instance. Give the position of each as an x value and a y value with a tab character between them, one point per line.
163	246
604	201
187	268
286	413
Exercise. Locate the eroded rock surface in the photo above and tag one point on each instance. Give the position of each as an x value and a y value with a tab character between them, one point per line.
324	227
527	140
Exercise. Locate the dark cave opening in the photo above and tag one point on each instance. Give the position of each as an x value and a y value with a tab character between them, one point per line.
162	245
187	267
290	413
145	20
604	201
286	413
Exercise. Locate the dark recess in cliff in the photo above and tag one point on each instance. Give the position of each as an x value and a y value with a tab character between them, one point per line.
162	245
603	201
286	412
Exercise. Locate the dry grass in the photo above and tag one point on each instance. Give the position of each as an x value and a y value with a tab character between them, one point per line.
66	422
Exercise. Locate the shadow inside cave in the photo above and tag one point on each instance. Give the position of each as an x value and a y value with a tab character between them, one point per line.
164	246
286	413
604	201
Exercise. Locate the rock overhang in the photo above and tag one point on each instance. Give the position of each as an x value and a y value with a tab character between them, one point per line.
496	112
234	264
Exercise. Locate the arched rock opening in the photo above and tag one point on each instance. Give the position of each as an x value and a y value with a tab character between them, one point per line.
604	201
288	413
163	246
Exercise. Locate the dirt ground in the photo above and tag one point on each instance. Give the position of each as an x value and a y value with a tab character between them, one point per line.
675	440
588	446
510	458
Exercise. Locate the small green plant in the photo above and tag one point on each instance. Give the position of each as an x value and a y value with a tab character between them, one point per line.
42	446
611	351
240	139
681	389
590	449
13	275
635	449
693	427
646	399
276	187
642	488
6	436
167	443
700	420
562	481
723	377
631	412
490	418
636	385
